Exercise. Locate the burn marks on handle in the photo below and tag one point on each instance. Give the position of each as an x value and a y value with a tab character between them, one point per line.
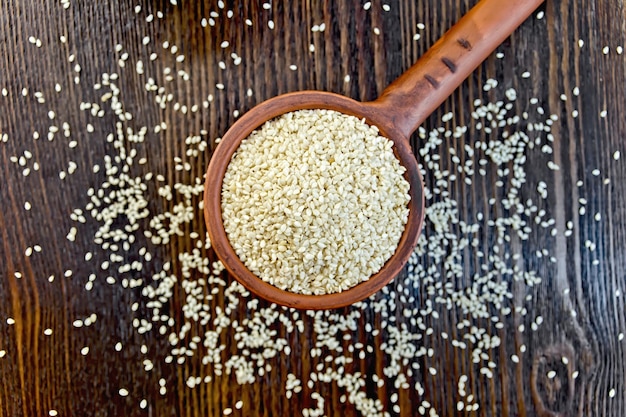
449	63
464	43
432	80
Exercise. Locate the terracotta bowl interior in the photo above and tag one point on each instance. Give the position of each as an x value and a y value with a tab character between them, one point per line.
255	118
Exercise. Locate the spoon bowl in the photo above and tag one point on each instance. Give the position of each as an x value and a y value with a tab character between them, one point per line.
273	108
397	113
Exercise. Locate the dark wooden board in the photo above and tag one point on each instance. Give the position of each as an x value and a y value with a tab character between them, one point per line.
40	372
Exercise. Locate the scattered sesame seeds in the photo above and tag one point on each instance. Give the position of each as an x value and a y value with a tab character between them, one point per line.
496	151
123	392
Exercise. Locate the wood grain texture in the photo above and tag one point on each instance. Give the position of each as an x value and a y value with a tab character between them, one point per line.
39	373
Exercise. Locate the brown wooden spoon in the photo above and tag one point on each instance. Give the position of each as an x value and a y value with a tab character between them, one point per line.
401	108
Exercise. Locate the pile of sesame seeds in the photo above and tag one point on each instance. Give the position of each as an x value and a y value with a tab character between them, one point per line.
315	201
120	207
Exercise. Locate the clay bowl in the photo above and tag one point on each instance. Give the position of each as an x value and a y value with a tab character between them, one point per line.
401	108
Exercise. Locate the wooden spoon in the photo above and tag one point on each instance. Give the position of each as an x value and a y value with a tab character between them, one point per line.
398	112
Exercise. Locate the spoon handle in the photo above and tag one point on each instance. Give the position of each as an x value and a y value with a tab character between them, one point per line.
413	96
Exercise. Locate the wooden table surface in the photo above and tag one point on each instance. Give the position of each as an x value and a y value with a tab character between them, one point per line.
526	323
